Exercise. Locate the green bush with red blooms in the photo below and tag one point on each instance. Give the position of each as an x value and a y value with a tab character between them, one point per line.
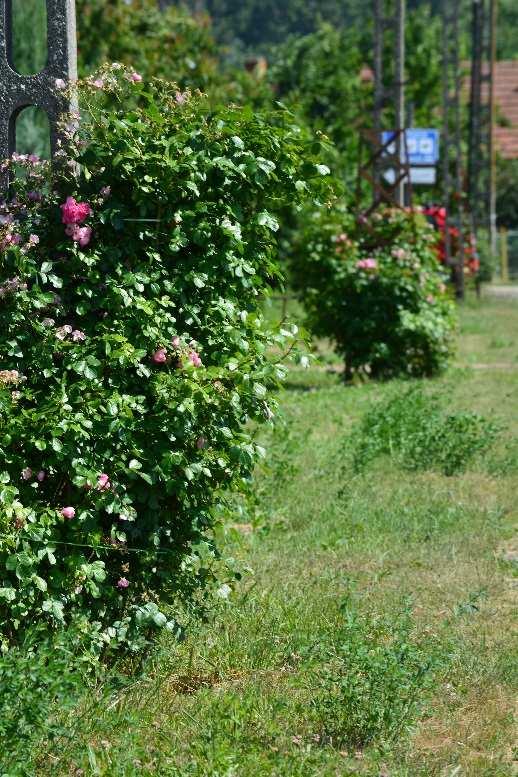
135	363
375	287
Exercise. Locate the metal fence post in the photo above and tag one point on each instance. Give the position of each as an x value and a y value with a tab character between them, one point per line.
19	91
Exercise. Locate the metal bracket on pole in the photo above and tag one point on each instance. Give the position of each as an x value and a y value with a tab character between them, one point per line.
389	110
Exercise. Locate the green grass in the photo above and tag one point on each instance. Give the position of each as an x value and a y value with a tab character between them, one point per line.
373	634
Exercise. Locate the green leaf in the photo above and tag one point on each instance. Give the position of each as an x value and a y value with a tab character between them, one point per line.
39	582
265	219
323	169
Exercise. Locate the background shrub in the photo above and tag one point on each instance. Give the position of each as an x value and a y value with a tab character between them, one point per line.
377	291
133	353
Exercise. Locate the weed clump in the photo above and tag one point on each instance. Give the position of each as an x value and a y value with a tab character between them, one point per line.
414	430
374	681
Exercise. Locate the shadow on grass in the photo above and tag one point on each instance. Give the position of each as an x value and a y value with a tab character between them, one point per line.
312	380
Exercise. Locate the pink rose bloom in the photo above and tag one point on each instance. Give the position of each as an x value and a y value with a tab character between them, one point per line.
176	341
367	264
160	356
81	235
103	481
122	583
68	513
98	83
136	77
34	240
399	253
63	331
34	158
41	475
27	473
77	335
195	359
180	98
74	212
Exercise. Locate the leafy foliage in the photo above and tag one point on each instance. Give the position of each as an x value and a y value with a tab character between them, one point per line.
319	77
376	289
133	353
170	44
418	434
38	686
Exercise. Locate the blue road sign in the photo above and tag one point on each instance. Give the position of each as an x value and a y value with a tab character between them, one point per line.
422	145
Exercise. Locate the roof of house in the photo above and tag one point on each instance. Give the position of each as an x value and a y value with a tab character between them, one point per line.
506	98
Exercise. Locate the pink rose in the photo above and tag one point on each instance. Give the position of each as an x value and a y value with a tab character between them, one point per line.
34	240
122	583
98	83
27	473
195	359
74	212
103	482
81	235
63	331
41	475
68	513
77	335
180	98
136	77
176	341
367	264
12	239
160	356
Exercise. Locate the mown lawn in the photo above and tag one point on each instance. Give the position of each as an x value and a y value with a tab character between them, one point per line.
375	633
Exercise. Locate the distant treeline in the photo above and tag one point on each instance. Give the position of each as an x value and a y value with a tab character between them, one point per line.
257	24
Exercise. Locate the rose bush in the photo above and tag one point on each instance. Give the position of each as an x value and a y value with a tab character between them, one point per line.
133	353
376	289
